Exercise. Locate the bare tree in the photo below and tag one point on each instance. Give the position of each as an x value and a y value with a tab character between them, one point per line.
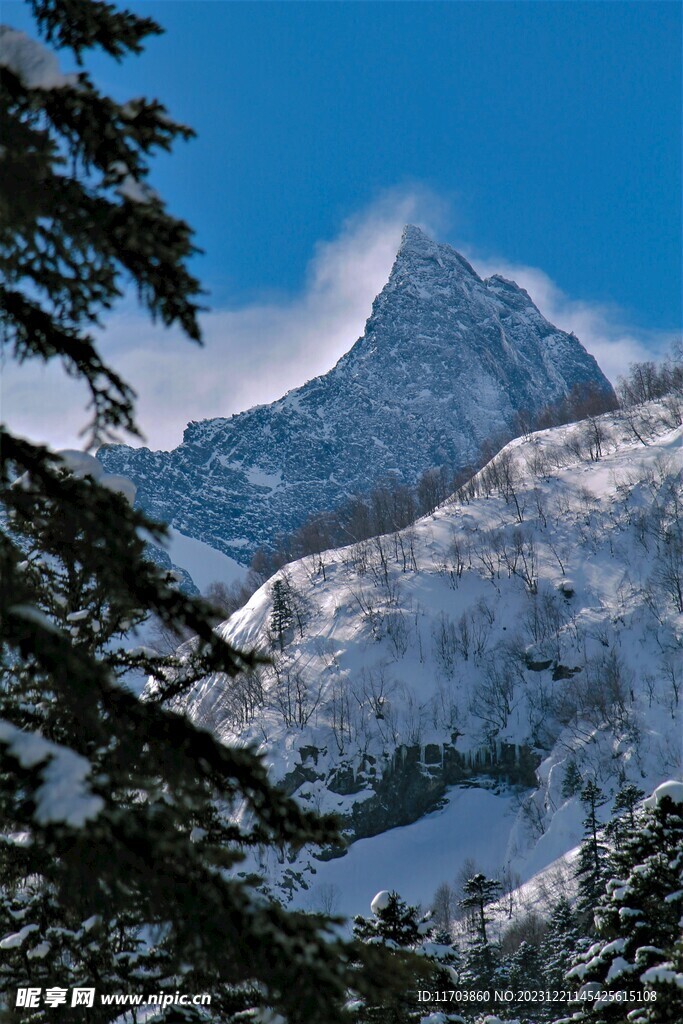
324	898
293	695
480	623
675	677
519	557
492	700
603	692
487	553
339	710
241	700
397	632
510	481
537	460
595	435
456	560
667	575
166	640
447	644
444	902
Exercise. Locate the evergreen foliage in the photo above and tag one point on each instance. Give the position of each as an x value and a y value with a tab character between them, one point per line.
524	969
635	947
119	816
282	616
572	782
393	923
623	825
482	961
478	891
591	861
431	967
638	946
560	945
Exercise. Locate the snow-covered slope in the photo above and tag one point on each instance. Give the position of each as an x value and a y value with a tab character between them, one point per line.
205	564
531	622
446	362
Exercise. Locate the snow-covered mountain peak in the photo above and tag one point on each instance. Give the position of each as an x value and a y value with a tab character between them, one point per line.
447	362
418	253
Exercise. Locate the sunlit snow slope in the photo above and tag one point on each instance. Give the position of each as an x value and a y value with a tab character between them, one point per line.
533	620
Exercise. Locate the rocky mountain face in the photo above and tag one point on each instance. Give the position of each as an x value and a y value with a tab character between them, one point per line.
449	688
446	363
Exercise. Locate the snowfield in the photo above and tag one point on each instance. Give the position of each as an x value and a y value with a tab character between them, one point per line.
204	564
435	686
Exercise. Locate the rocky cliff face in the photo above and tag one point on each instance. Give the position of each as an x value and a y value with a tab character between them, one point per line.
446	362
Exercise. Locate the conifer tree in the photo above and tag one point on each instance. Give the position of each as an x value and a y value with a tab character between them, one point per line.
638	921
281	617
478	891
119	829
561	944
623	825
591	862
523	970
393	923
397	927
627	799
482	960
572	782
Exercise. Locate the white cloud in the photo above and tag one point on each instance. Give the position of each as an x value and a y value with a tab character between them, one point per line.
256	353
251	355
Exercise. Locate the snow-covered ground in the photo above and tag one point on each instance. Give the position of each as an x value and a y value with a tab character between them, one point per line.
539	610
205	564
475	823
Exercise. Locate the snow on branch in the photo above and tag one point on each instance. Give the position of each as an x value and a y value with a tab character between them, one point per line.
35	66
64	796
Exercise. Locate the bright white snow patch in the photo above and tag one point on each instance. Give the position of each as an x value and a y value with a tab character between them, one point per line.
16	939
618	967
121	484
672	789
261	478
131	189
205	564
39	952
380	902
64	795
664	973
36	67
80	464
79	616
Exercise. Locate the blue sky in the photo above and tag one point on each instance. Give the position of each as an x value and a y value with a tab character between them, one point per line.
541	135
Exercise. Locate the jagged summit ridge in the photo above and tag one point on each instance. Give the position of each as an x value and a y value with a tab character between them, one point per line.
447	361
416	243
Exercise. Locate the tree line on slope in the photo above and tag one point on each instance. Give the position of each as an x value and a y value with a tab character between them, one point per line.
393	505
551	644
615	929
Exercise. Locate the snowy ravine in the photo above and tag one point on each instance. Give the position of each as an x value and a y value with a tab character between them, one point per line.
446	363
439	682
